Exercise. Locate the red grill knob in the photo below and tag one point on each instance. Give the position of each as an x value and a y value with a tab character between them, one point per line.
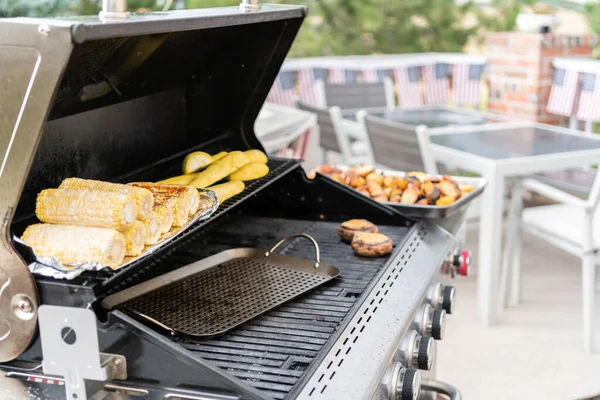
464	263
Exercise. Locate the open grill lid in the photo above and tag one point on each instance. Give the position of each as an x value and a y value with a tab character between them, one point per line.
98	99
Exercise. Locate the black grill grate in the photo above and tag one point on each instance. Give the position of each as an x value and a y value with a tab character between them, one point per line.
273	351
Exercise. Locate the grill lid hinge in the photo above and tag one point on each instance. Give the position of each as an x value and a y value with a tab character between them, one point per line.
114	9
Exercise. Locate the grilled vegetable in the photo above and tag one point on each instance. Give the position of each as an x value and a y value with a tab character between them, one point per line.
375	189
375	177
196	161
387	191
448	188
179	180
445	201
165	217
135	237
410	196
143	197
432	192
165	204
396	198
218	156
464	189
153	228
86	208
257	156
250	172
220	169
364	170
188	194
227	190
73	244
422	176
423	202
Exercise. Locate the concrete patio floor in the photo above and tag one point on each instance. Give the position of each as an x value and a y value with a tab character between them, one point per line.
535	352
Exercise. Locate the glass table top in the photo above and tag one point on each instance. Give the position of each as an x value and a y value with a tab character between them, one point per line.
432	117
515	142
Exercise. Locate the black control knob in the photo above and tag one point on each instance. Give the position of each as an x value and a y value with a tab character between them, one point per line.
436	321
448	299
409	384
423	353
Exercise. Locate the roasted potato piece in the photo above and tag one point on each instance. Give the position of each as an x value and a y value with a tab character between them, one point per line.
423	202
381	198
354	180
250	172
432	192
445	201
396	192
364	190
414	184
375	189
466	188
422	176
338	177
375	177
388	181
327	169
448	188
364	170
410	196
396	198
434	179
400	182
387	191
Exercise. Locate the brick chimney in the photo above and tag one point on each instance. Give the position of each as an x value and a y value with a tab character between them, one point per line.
520	70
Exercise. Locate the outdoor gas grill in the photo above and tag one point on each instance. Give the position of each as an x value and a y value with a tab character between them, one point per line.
124	98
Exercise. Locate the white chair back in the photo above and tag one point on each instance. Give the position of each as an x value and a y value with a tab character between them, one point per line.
358	96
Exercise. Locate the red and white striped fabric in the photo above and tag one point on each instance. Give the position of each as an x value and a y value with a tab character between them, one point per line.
336	75
370	76
306	85
408	86
437	84
283	91
589	101
562	94
466	84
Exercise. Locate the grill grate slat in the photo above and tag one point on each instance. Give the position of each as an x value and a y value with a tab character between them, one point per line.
292	334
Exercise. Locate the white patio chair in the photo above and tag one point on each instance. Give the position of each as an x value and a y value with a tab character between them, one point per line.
398	146
572	225
332	137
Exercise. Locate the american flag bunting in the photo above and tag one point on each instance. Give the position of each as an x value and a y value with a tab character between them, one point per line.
562	94
283	91
466	84
351	76
589	100
408	86
336	75
437	83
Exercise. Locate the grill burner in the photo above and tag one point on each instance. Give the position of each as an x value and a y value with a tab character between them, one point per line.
274	351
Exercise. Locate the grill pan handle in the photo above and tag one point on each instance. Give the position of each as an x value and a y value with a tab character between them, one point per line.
304	235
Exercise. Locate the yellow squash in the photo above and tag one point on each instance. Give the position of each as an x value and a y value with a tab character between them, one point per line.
196	161
250	172
227	190
220	169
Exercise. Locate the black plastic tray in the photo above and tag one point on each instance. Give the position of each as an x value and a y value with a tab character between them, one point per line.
416	212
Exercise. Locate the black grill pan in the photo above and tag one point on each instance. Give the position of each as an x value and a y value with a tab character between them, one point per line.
216	294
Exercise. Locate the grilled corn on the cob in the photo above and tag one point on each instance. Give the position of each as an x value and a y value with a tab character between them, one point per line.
135	236
143	197
189	194
173	206
72	244
153	228
86	208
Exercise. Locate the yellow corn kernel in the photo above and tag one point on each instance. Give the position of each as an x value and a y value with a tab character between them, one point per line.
86	208
164	204
153	228
144	198
74	244
135	236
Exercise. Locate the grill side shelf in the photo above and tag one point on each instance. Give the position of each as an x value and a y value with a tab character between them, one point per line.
117	279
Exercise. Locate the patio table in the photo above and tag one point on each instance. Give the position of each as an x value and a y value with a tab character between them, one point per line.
498	152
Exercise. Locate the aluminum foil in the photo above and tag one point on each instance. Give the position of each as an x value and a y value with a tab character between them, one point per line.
53	268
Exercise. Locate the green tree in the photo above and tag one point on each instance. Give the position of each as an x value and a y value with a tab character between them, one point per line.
592	11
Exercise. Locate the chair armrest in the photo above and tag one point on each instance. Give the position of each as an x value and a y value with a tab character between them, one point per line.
554	193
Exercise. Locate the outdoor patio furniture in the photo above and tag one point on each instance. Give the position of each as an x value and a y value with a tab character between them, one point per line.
571	225
334	138
398	146
500	152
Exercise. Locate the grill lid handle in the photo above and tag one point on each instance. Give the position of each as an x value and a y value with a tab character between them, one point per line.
304	235
114	9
